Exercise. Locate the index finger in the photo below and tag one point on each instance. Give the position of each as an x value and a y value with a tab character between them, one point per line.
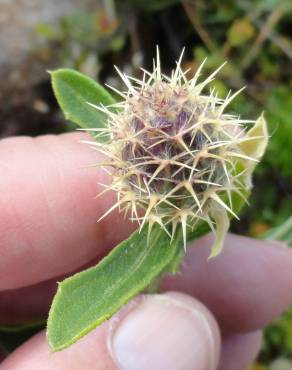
49	209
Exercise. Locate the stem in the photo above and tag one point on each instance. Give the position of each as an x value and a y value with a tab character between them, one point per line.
192	12
280	232
272	20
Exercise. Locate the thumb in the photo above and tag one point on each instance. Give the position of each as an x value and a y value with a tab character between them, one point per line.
170	331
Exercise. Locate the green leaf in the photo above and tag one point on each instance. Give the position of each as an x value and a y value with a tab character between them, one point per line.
90	297
74	91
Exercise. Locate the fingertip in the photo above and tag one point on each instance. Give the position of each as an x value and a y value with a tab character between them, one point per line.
170	331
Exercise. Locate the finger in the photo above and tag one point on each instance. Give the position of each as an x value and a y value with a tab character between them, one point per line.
239	351
248	285
170	331
27	305
3	353
49	211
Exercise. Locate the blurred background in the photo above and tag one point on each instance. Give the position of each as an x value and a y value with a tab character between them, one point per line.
254	36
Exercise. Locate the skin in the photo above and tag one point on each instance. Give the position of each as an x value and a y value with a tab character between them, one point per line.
48	230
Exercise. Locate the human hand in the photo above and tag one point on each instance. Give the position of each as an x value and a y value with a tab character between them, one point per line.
48	230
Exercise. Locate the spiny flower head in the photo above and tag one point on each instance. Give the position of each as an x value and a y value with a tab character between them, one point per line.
175	153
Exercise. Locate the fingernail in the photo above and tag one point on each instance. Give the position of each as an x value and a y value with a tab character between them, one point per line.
166	332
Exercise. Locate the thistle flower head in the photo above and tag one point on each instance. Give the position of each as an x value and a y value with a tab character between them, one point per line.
175	153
